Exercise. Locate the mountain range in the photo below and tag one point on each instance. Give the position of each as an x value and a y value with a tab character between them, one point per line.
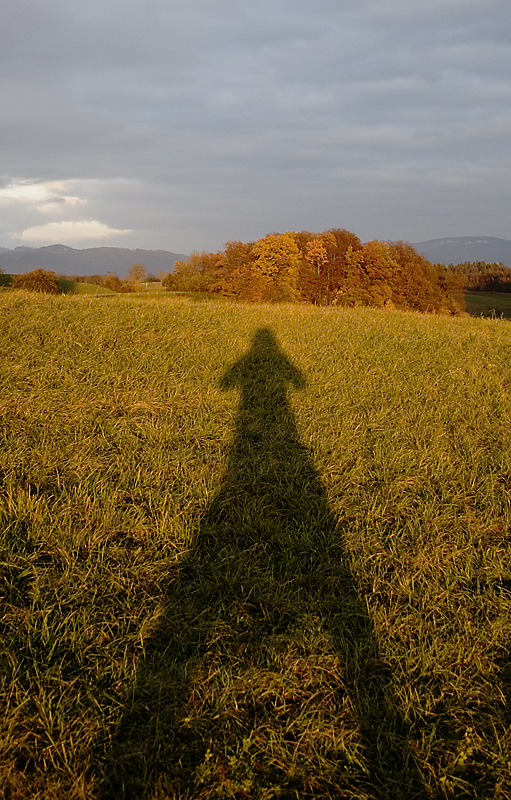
93	261
99	260
458	249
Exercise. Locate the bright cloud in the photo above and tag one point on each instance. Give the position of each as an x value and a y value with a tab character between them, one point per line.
24	192
69	231
52	211
44	197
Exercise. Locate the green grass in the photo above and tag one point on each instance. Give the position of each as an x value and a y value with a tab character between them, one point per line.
76	287
66	286
253	551
489	304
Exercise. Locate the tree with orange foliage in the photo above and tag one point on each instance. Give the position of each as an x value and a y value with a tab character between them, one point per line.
233	269
112	282
381	269
416	285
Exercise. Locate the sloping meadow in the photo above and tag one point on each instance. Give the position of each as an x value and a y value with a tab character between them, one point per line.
253	551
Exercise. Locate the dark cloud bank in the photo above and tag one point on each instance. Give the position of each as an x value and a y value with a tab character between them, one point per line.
184	125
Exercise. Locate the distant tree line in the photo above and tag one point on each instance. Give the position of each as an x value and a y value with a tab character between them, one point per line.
40	280
329	268
137	275
483	277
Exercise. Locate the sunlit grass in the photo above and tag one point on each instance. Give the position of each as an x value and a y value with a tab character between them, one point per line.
115	436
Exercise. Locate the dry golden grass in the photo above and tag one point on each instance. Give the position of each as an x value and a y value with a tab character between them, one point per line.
285	578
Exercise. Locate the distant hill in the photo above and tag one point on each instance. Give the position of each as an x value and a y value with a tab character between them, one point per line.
458	249
93	261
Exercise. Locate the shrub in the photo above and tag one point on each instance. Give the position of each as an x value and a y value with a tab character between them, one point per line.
112	282
39	280
169	282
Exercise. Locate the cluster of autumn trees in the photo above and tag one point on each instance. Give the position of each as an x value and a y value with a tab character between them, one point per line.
327	268
40	280
483	277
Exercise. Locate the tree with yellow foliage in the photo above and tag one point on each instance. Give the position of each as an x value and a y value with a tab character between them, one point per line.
276	266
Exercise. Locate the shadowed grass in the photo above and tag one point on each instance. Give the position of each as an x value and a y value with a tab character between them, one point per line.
77	287
495	305
152	548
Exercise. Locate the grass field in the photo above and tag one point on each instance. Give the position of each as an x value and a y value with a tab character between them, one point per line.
253	551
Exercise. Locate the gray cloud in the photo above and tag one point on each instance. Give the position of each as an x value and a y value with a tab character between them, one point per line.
192	122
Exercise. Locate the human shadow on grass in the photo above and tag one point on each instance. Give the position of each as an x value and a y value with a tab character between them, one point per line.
264	677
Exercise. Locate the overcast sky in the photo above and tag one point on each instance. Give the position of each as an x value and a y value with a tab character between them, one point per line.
182	124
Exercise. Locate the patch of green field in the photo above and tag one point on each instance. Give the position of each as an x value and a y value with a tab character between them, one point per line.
75	287
489	304
253	551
